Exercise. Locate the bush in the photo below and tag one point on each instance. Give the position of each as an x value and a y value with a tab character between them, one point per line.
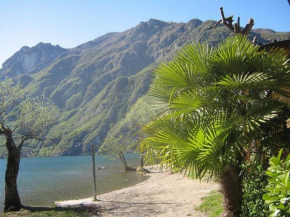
278	188
254	182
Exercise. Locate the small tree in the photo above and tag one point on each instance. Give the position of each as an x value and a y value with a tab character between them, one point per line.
123	137
118	147
20	120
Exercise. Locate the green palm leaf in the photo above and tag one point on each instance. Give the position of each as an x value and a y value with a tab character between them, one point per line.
216	105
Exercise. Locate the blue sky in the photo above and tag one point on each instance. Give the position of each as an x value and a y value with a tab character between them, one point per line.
69	23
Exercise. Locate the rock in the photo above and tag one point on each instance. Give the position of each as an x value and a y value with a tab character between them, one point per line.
130	169
142	171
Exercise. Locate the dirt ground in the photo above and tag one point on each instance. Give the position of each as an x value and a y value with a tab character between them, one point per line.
163	194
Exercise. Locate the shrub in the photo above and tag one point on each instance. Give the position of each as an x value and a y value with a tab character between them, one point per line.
254	182
278	188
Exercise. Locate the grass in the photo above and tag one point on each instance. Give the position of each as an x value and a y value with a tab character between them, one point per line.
54	212
212	204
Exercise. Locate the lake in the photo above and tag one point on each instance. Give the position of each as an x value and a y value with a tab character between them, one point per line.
42	181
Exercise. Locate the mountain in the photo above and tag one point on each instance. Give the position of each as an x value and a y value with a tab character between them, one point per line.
30	60
96	83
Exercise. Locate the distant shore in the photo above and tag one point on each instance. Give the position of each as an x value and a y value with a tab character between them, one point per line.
163	194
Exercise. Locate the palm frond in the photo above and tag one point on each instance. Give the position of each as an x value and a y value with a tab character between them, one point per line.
217	105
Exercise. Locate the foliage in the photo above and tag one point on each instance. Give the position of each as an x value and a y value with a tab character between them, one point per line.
254	183
278	188
220	105
215	103
21	119
212	204
91	123
9	96
27	118
83	81
122	136
116	146
139	114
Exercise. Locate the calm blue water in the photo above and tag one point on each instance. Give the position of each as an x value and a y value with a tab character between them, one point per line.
42	181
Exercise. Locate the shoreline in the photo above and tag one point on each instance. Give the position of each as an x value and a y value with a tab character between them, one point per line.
162	194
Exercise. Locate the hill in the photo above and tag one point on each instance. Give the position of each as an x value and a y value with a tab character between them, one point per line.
95	84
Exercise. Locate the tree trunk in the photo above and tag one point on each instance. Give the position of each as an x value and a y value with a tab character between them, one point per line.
141	170
231	188
12	200
142	159
123	159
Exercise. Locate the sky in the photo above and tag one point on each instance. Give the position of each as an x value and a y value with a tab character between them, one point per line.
69	23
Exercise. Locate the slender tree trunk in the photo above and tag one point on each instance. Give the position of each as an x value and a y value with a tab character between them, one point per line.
142	159
141	170
123	159
125	162
231	188
12	200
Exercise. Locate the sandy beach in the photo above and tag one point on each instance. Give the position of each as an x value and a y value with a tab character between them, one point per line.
163	194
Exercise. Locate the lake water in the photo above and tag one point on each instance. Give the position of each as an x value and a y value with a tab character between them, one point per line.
42	181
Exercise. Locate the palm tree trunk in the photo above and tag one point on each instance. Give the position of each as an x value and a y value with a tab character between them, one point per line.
231	188
12	200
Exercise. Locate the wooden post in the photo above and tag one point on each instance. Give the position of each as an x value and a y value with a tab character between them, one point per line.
94	172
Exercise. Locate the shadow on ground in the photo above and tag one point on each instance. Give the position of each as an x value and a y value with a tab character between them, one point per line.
128	209
33	211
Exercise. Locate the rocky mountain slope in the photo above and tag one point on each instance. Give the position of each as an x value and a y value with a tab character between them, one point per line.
30	60
96	83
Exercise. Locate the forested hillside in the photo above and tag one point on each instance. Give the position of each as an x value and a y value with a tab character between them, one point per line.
95	84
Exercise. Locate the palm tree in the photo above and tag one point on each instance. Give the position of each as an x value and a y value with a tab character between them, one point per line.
219	106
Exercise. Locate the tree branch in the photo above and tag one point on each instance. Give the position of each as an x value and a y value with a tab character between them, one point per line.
255	40
26	137
22	141
215	25
3	125
236	28
248	27
16	126
227	22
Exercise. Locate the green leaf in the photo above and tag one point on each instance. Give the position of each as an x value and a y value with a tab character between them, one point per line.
274	161
280	153
272	207
286	181
281	206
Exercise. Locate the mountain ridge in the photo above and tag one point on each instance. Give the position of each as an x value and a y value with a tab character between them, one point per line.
96	83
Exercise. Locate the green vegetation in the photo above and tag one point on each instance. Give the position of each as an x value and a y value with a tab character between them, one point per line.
278	188
220	109
212	205
21	119
123	137
254	183
95	84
